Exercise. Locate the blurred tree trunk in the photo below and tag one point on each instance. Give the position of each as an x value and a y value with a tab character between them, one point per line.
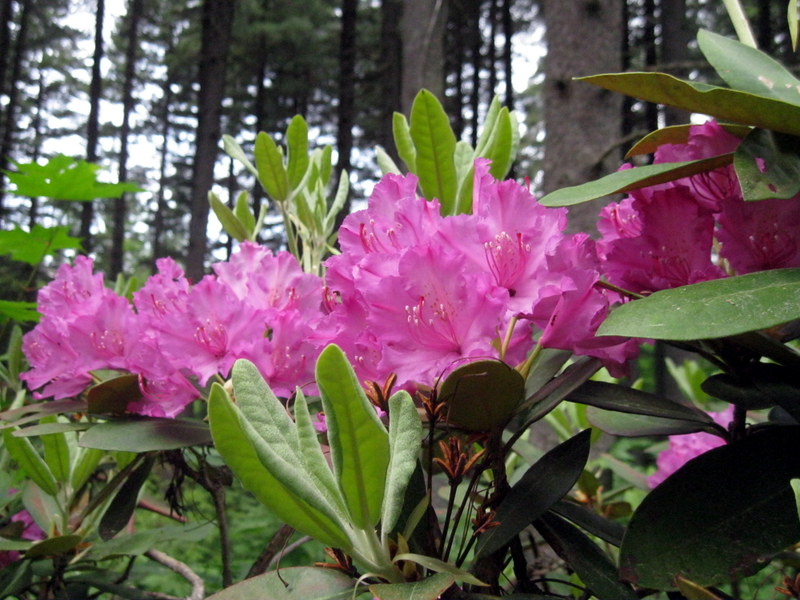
391	71
582	122
93	124
6	17
675	38
423	28
13	96
347	86
476	44
161	200
118	232
508	32
217	20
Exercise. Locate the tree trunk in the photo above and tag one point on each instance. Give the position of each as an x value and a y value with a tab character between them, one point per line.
161	201
423	26
347	86
675	38
582	122
13	97
217	21
93	124
508	32
6	18
391	70
476	36
118	232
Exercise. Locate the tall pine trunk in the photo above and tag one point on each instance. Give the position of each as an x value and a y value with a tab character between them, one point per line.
93	124
582	122
391	57
423	27
118	232
217	22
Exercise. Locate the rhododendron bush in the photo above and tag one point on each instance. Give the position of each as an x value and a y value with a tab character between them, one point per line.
382	388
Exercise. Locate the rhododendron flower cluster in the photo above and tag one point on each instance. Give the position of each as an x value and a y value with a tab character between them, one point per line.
412	293
696	228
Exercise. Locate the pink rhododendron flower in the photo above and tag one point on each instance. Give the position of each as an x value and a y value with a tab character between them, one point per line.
31	531
683	448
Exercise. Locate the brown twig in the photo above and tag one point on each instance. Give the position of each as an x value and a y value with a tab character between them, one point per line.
276	544
198	587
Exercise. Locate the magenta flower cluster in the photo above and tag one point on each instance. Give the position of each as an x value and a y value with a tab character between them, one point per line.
412	293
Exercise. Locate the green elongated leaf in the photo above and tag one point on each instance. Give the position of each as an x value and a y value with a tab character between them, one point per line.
692	591
311	454
676	134
54	546
141	541
591	564
746	69
14	356
57	452
232	442
548	396
297	146
435	143
710	309
767	165
633	179
64	178
403	142
20	545
274	437
32	246
15	578
245	215
405	435
22	312
719	517
723	103
630	425
28	459
482	395
49	428
609	531
611	396
385	162
434	564
34	412
234	150
120	511
113	395
271	171
791	17
427	589
294	583
358	440
545	482
230	222
501	147
463	158
86	462
489	125
743	391
145	434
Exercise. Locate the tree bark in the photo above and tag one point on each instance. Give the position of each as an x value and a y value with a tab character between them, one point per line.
118	233
347	85
93	124
675	38
13	97
422	26
582	122
476	36
217	21
508	32
391	71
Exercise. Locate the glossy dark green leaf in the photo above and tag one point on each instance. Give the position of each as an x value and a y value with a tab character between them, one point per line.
482	395
58	450
427	589
747	69
15	578
612	396
54	546
435	144
633	179
692	591
295	583
145	434
629	425
723	103
549	395
29	460
721	516
590	563
710	309
32	246
543	484
120	511
738	391
767	165
609	531
112	396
